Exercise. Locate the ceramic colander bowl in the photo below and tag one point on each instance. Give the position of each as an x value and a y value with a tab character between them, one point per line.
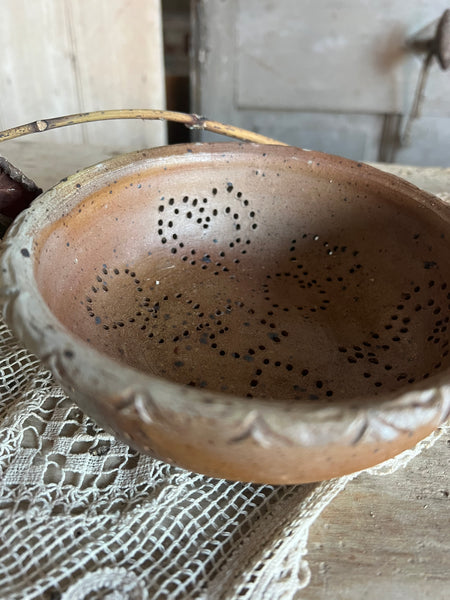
246	311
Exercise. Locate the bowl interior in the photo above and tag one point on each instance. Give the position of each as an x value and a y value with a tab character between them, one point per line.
257	271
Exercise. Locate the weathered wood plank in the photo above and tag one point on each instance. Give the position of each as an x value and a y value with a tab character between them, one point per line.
386	536
46	164
118	52
37	76
331	76
66	56
333	57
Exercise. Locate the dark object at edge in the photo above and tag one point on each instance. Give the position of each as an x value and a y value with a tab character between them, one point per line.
16	193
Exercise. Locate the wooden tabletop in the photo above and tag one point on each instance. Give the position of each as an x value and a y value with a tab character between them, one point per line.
383	536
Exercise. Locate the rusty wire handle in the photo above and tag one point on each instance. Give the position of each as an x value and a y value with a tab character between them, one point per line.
191	121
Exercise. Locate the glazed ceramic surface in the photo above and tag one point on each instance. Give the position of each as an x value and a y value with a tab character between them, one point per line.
251	312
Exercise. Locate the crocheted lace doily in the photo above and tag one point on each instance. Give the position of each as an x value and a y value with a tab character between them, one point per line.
82	516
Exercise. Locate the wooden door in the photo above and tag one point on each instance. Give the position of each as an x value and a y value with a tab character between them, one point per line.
65	56
334	75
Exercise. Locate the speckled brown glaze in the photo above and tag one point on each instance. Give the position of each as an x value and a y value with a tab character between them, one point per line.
251	312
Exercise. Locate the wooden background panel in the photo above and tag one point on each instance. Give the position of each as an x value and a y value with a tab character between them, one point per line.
347	56
299	71
429	142
119	64
36	73
65	56
354	136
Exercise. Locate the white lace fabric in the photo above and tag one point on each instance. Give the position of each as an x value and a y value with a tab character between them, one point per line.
82	516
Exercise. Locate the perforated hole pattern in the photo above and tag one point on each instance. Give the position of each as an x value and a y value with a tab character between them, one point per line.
309	310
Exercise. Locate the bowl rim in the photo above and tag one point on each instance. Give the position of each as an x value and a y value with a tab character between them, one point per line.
383	416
